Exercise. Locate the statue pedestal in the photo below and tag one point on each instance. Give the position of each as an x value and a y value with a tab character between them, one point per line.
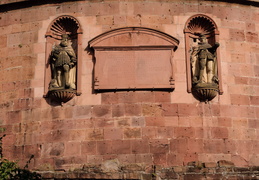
61	95
205	92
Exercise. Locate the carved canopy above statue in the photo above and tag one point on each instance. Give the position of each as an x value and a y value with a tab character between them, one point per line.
134	58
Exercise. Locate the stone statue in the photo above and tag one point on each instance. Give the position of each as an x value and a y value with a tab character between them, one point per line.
203	61
63	65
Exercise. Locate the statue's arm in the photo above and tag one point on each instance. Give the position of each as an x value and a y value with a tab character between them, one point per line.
72	55
214	48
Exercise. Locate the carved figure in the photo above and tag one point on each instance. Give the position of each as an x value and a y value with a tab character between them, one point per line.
63	63
203	61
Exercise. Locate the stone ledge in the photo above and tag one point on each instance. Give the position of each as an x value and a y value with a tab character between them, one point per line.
7	5
194	170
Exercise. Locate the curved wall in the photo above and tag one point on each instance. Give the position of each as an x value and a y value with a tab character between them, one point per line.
116	129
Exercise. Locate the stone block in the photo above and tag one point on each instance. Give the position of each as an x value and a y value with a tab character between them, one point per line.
94	159
160	159
230	146
3	41
226	122
224	163
181	132
82	111
252	37
254	100
256	70
155	121
140	146
110	8
165	132
170	109
240	123
123	122
101	111
103	123
109	98
23	104
94	134
8	86
127	159
152	110
175	159
118	110
120	19
171	121
77	135
104	148
127	97
237	35
138	121
121	147
149	132
191	157
57	112
134	19
178	145
144	158
81	123
88	147
219	133
194	146
52	149
145	97
213	146
159	146
113	133
238	99
132	133
132	109
110	165
210	164
13	117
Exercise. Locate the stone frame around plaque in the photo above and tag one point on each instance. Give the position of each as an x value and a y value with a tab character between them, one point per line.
133	58
67	27
198	27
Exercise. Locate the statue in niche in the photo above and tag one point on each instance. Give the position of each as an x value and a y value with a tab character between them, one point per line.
63	65
203	63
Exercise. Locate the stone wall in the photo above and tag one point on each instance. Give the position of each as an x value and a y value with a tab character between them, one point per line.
130	128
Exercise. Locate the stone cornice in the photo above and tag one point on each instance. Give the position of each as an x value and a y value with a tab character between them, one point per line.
8	5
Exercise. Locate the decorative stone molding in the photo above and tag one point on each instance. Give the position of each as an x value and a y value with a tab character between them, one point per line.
202	58
134	58
63	59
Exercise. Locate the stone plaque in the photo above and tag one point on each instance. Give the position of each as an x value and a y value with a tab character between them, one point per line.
132	61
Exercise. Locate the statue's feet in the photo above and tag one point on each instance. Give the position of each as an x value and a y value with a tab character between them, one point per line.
72	86
67	86
53	84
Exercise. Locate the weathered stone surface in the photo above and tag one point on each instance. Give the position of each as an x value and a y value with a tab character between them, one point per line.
153	134
224	163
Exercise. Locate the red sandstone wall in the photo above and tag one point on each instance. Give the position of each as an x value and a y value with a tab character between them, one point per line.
149	128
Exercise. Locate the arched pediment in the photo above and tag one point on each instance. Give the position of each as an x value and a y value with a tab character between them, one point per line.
134	37
134	58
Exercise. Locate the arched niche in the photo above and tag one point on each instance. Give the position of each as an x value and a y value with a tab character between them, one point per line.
133	58
200	28
69	27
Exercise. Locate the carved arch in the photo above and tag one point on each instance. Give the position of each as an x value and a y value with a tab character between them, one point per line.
69	25
196	26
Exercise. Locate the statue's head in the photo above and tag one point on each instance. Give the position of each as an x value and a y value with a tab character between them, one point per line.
64	40
202	38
